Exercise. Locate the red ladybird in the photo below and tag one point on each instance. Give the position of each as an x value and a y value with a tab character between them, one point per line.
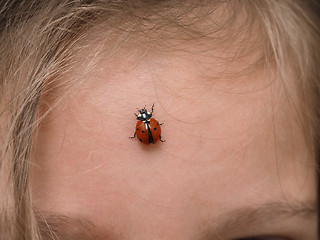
148	129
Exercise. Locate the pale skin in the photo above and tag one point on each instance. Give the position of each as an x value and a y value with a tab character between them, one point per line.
231	145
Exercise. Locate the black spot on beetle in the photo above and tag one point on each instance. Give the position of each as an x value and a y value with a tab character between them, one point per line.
137	129
140	139
143	131
155	128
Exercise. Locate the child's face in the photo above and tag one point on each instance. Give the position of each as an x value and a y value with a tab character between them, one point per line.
233	163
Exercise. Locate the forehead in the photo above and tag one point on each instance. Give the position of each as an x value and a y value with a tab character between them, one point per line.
222	149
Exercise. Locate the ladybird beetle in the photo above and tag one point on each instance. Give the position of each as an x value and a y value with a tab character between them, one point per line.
148	129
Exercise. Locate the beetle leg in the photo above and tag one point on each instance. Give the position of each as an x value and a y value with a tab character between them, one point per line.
161	139
134	135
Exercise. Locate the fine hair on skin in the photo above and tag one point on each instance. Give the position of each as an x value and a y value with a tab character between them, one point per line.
41	39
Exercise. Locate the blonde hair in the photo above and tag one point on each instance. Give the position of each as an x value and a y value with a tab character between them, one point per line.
39	40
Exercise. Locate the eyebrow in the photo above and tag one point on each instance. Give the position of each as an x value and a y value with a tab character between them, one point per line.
61	227
272	212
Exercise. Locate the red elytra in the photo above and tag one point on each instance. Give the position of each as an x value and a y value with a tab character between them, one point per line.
148	129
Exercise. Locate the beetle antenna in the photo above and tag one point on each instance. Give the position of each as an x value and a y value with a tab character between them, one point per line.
152	108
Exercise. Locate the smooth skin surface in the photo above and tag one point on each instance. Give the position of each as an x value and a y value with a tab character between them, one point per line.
234	164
